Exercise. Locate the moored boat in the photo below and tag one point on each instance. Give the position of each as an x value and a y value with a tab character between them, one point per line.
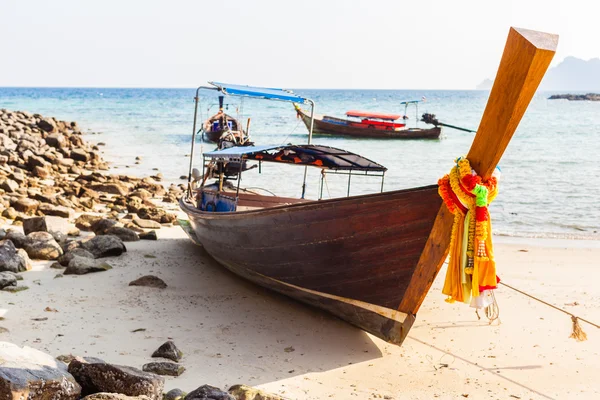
367	259
367	125
222	126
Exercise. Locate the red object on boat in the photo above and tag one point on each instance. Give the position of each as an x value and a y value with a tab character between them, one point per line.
366	114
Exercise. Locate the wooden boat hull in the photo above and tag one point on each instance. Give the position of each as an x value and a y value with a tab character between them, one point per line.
340	128
353	257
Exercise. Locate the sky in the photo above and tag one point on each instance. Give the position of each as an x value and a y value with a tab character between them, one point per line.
375	44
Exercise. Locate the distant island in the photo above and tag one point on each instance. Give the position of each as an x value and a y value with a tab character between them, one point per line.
572	74
589	96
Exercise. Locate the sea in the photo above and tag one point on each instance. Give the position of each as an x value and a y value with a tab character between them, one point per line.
549	185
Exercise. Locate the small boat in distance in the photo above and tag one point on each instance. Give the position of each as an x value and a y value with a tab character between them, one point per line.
367	259
369	125
222	126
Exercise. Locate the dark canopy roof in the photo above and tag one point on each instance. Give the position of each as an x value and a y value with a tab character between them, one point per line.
308	154
264	93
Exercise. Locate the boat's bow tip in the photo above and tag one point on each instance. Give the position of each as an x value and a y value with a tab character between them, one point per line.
540	40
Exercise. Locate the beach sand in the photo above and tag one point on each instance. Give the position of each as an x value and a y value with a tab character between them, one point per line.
234	332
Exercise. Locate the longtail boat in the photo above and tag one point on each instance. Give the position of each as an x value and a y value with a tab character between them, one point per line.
368	259
367	124
222	126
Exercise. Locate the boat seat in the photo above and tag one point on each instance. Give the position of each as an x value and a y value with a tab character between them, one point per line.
212	201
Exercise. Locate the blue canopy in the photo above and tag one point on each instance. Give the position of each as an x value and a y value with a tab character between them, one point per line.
264	93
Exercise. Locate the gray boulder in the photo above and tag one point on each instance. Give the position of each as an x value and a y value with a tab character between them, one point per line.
56	140
174	394
18	238
7	279
83	265
66	258
101	377
168	350
164	368
42	246
150	235
113	396
126	235
101	226
104	246
149	281
207	392
11	259
26	373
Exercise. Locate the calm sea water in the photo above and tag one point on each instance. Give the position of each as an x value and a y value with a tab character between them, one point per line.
550	170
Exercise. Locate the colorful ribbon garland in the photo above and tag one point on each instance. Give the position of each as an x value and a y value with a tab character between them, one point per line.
471	269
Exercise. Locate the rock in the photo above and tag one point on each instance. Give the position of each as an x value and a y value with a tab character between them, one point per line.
148	235
168	350
9	186
101	226
66	258
104	246
34	224
112	188
10	213
146	223
42	246
126	235
57	211
150	281
15	289
156	214
56	140
57	265
243	392
83	265
85	221
80	155
207	392
18	239
174	394
41	172
2	234
113	396
25	205
47	125
102	377
11	259
164	368
7	279
67	358
29	374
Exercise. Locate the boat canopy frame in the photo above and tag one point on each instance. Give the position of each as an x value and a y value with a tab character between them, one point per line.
329	159
253	92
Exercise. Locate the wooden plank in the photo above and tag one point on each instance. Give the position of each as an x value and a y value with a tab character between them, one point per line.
526	58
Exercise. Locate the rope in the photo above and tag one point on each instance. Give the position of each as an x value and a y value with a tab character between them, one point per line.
578	334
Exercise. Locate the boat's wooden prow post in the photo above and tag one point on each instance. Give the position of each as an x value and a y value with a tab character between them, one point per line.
526	58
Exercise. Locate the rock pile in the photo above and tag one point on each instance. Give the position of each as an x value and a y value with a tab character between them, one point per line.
46	168
48	175
32	374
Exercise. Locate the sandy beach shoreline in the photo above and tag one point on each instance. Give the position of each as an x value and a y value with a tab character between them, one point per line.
234	332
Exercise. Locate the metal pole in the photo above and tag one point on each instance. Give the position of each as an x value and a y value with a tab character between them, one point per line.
382	177
310	132
322	178
349	176
196	101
